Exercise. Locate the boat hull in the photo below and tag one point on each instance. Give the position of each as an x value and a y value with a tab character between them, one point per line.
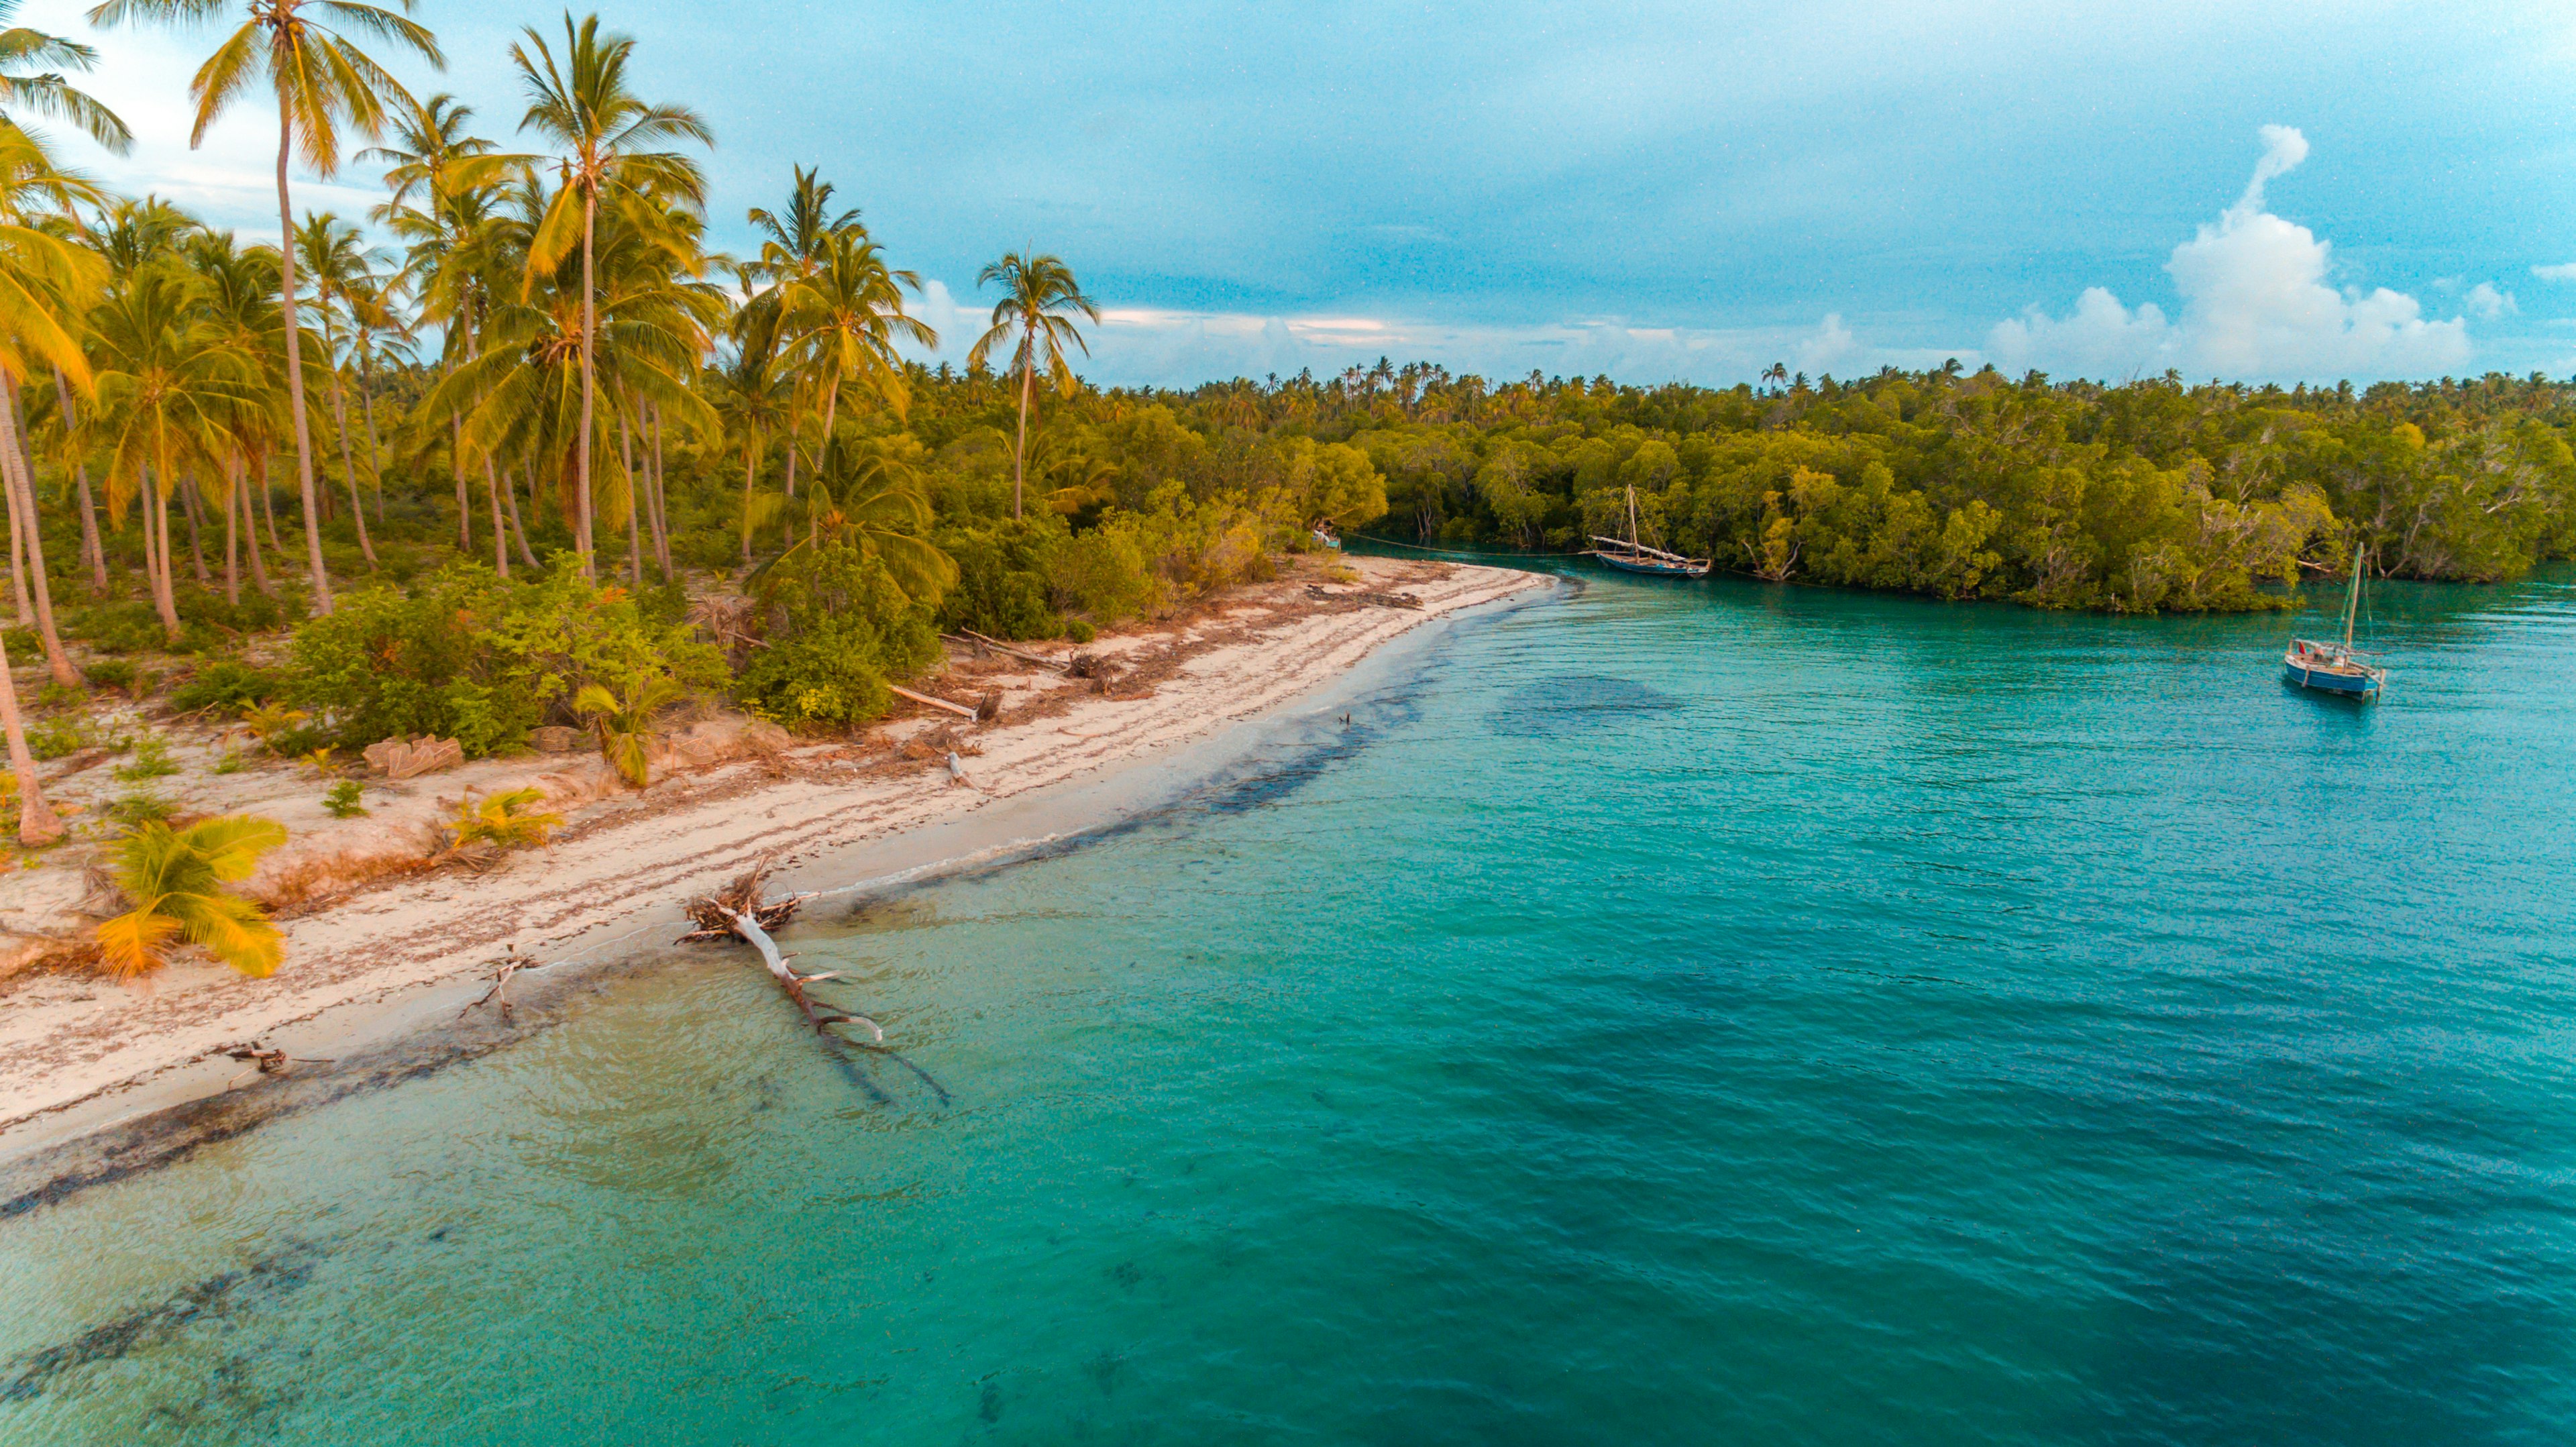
2350	685
1647	567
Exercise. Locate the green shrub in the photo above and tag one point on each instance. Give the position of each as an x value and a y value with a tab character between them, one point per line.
471	656
340	801
1001	587
143	806
838	628
228	684
151	760
117	673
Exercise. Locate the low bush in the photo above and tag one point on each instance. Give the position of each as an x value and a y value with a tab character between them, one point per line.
227	684
837	629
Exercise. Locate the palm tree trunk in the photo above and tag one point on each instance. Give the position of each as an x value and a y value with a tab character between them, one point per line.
527	554
268	508
589	378
189	504
634	503
93	552
500	534
23	479
464	499
787	512
166	598
25	606
348	469
747	468
250	524
1020	454
232	543
295	357
367	396
661	503
36	822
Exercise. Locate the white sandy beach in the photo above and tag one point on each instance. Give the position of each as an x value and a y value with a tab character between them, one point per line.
78	1052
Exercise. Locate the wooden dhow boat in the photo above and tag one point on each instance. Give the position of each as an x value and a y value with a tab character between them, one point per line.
2331	667
1631	556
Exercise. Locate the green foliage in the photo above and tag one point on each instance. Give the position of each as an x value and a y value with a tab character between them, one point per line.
838	628
116	673
507	820
624	718
1002	572
175	879
69	733
340	801
143	806
227	684
471	656
151	760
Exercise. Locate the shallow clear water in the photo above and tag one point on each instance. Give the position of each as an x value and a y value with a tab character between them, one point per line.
1671	1014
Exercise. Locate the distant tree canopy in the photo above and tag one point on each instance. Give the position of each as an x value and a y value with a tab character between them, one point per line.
2142	497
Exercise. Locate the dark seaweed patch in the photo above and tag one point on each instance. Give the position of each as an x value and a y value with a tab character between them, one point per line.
1574	702
215	1299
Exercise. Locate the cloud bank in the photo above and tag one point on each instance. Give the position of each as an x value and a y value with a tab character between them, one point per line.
2255	305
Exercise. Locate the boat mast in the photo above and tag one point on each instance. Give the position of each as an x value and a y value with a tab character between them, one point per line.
2352	604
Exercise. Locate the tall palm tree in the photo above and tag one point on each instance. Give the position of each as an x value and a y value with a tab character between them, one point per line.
1038	295
754	400
321	79
48	93
841	320
585	107
37	822
335	256
36	199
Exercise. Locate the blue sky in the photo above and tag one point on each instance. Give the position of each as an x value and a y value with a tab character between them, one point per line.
2280	191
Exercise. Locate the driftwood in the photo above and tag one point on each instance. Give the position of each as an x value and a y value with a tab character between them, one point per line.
1382	600
964	710
714	915
740	912
980	643
1090	665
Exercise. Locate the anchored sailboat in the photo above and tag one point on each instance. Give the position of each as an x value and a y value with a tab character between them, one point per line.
1631	556
2336	667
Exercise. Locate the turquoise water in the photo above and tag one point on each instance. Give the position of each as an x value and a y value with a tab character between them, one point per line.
1668	1014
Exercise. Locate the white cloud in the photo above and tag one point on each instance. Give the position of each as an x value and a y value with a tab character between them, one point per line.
2484	301
2559	271
2255	304
1829	347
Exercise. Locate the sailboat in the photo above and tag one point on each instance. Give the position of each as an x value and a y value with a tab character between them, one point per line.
2336	667
1631	556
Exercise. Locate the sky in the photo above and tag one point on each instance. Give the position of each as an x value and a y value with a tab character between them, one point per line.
2277	192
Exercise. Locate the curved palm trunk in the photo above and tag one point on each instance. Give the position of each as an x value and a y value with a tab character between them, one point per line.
250	524
748	465
93	552
190	505
367	396
661	503
36	821
340	424
589	381
23	481
23	604
500	534
232	544
295	360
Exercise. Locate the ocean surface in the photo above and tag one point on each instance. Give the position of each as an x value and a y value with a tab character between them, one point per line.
1664	1014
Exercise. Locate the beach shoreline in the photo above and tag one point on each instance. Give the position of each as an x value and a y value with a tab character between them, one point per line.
81	1058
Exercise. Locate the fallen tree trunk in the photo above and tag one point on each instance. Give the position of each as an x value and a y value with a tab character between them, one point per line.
979	641
955	708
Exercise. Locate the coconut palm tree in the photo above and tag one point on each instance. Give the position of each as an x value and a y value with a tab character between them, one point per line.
336	258
1038	294
48	93
170	388
754	400
322	80
58	278
840	321
585	107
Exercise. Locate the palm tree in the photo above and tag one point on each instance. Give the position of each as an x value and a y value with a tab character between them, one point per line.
176	878
336	257
237	296
872	501
754	401
624	720
171	388
321	80
841	319
51	280
585	107
48	93
1037	291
